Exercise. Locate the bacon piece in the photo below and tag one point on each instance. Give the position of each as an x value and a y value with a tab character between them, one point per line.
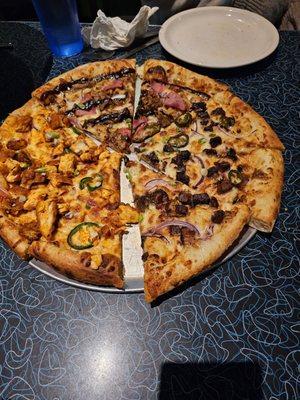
173	100
117	83
126	132
138	122
158	87
80	113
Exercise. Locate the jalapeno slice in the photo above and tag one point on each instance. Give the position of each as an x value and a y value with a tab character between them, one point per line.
235	177
178	141
184	120
91	182
74	231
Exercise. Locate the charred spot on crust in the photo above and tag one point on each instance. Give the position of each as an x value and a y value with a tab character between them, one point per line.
157	73
85	258
110	262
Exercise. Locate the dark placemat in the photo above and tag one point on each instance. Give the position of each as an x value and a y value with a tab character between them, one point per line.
22	68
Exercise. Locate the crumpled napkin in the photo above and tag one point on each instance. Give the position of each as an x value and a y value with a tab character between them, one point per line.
114	33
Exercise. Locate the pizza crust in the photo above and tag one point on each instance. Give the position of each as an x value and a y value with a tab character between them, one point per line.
72	264
10	233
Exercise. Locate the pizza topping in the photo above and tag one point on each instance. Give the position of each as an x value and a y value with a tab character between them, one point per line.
182	177
222	165
159	197
184	120
157	73
16	144
173	100
107	118
199	107
150	185
172	222
117	83
218	111
158	87
181	210
210	127
214	202
23	123
235	177
231	153
224	186
152	158
164	119
201	198
218	216
81	113
168	148
227	122
142	202
181	157
212	171
91	182
22	157
46	212
215	141
178	141
185	198
124	132
210	152
140	121
82	236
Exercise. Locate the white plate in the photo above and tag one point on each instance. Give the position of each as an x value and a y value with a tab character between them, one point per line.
218	37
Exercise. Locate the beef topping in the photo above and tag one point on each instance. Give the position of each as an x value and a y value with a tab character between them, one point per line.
185	198
174	230
187	236
181	157
201	198
164	119
214	202
159	197
218	217
181	210
215	141
168	148
16	144
212	171
107	118
227	122
182	177
231	153
199	106
210	152
152	157
224	186
222	166
142	203
210	127
218	111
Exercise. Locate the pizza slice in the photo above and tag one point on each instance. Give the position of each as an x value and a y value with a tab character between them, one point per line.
173	96
97	98
168	93
60	195
183	231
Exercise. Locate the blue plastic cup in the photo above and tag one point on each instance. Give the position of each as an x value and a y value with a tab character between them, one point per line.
59	20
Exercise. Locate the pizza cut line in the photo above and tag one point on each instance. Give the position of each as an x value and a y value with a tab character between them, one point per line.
202	164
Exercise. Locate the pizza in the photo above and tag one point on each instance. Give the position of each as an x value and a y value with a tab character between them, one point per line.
202	164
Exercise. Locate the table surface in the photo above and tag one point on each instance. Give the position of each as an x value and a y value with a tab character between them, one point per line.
233	334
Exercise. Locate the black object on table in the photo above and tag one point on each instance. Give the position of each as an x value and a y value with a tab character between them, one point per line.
233	334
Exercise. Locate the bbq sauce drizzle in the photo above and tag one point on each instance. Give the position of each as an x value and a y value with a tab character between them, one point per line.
107	118
62	87
88	105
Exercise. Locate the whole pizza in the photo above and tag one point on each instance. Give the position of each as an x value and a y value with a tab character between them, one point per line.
202	165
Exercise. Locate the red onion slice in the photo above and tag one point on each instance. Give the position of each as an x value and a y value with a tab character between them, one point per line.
200	161
157	235
150	185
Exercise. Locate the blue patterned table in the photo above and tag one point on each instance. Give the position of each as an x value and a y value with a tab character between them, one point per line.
234	334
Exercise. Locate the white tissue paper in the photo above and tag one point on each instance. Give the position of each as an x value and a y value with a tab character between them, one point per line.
113	33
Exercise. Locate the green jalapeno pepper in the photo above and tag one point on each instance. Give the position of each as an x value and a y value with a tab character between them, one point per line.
184	120
91	182
178	141
77	229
